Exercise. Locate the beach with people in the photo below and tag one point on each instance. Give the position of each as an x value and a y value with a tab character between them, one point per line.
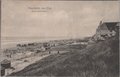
26	53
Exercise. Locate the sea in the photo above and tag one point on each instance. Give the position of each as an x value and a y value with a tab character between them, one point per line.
8	42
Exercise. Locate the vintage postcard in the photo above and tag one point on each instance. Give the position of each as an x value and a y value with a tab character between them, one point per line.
51	38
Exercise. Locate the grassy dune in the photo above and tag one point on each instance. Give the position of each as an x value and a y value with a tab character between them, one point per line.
98	60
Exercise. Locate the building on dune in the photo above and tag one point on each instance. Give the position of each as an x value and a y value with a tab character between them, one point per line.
106	30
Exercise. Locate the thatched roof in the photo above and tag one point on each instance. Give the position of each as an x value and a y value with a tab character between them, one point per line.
111	25
107	27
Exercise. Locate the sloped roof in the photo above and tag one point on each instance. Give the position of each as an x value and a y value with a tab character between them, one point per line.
111	25
102	27
108	26
5	61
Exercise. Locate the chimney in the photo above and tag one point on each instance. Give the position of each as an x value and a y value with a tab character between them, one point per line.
101	22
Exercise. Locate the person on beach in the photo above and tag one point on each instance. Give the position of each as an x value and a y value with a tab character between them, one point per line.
58	52
49	52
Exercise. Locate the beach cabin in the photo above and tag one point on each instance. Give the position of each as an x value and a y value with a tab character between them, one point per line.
2	71
43	48
6	64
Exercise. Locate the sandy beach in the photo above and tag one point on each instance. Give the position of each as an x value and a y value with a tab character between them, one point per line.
21	63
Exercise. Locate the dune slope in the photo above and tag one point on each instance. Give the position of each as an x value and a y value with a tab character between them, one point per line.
98	60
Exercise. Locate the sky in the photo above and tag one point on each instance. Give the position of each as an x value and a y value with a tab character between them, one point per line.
71	19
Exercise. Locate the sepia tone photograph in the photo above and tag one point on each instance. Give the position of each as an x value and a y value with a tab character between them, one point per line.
50	38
